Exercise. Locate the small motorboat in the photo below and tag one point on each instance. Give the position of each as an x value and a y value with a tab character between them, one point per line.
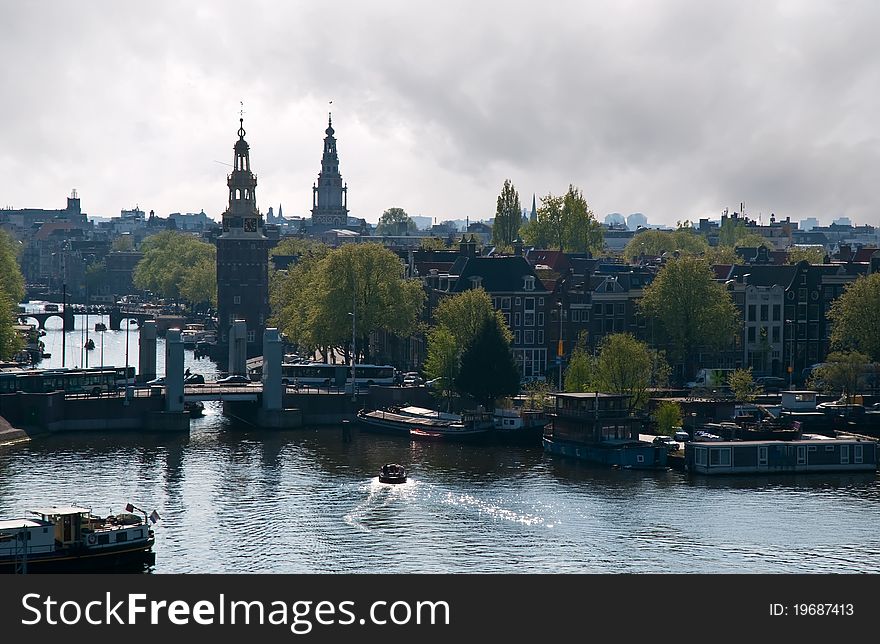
196	408
392	473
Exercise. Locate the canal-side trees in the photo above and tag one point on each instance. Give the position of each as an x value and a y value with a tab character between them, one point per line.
743	385
177	266
11	293
668	417
460	320
844	373
855	317
566	223
508	216
691	311
357	288
624	365
488	370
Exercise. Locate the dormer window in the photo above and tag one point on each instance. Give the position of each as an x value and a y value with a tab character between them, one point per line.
476	281
528	283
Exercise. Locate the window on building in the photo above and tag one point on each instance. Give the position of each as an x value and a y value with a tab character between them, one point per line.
575	315
541	319
236	299
529	336
752	313
529	304
517	337
517	320
619	308
505	303
529	318
775	334
777	312
540	337
765	312
750	334
252	336
517	302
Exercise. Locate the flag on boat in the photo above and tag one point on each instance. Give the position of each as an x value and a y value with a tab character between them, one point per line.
129	507
154	516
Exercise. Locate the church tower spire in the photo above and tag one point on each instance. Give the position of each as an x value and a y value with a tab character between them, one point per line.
330	196
242	253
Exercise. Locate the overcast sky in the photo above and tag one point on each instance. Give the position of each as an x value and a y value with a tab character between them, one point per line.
677	109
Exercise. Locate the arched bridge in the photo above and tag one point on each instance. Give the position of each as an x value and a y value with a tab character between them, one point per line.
117	315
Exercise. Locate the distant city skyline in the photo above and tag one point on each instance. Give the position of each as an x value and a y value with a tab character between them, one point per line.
677	110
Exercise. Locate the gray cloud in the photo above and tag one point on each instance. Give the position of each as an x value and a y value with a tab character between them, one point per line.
675	109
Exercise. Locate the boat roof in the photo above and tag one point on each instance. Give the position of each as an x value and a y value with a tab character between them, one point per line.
809	441
17	524
60	510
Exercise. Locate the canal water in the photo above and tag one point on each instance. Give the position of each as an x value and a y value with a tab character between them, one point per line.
233	499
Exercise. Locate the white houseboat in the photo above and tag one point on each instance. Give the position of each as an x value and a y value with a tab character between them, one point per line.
71	538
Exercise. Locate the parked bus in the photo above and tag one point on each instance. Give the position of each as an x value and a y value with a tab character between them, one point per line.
317	374
75	381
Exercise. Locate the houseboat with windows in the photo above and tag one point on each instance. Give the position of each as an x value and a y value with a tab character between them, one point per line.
72	539
812	453
598	428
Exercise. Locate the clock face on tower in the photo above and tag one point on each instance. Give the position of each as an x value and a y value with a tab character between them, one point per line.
250	225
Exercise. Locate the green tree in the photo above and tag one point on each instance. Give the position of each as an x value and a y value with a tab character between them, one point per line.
95	275
464	314
578	375
316	300
508	216
627	366
537	395
691	309
199	285
488	370
743	385
656	242
668	417
444	355
855	317
11	279
843	373
12	291
735	233
296	247
722	255
168	258
395	221
565	222
810	254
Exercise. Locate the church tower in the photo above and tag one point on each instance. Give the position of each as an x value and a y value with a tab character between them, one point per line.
329	196
242	255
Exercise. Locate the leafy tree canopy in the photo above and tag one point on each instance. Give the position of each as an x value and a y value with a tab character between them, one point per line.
12	292
855	317
395	221
508	216
742	384
313	304
691	309
488	370
464	314
565	223
668	417
812	255
656	242
168	258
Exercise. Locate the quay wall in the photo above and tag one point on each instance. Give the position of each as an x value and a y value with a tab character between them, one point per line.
53	412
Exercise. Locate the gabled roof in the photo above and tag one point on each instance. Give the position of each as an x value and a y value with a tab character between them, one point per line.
764	274
503	274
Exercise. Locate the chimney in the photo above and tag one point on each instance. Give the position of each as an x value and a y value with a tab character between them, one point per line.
518	247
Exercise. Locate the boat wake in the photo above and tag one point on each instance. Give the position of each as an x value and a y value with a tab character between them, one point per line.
373	512
379	497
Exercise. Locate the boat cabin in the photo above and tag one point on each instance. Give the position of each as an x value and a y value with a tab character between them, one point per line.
37	534
593	418
799	400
